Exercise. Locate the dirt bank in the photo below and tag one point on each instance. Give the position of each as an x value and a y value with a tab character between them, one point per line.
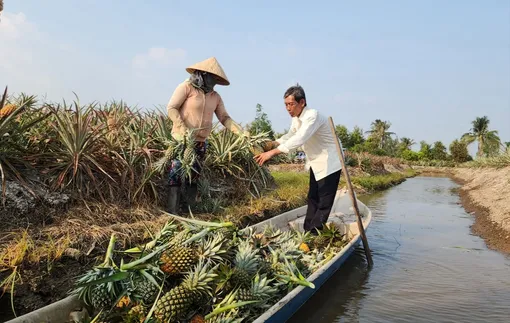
486	193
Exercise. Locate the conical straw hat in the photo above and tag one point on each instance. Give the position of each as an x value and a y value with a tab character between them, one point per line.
212	66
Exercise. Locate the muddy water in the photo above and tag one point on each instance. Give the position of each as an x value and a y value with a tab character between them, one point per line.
427	265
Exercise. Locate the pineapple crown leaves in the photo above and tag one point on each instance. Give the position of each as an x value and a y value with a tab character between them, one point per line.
246	257
201	278
213	248
227	309
261	288
292	277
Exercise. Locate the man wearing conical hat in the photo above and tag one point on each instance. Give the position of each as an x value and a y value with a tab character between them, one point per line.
191	107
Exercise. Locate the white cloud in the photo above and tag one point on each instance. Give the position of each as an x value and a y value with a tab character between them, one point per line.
160	56
15	26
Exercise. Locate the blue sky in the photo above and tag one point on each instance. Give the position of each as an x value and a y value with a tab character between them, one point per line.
428	67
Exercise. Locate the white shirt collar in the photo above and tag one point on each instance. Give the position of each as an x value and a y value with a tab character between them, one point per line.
301	116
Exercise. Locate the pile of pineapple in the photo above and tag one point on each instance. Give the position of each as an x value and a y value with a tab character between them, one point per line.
195	271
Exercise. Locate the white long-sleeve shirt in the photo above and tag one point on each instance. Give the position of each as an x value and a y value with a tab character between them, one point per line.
312	132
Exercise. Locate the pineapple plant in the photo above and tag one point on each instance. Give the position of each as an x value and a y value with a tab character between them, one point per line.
176	303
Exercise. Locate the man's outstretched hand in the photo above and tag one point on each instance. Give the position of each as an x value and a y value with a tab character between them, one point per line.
262	158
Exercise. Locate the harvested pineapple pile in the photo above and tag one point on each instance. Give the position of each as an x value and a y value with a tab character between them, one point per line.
195	271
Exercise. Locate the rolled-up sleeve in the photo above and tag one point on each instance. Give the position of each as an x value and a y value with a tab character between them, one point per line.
174	105
308	127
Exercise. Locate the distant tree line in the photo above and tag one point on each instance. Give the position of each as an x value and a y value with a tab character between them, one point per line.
379	140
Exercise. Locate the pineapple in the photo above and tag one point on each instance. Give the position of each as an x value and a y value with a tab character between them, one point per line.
304	247
259	290
137	314
214	248
327	235
177	302
245	264
7	110
197	319
188	156
178	260
123	302
146	291
101	298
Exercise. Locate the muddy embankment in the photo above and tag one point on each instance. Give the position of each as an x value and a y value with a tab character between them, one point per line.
485	193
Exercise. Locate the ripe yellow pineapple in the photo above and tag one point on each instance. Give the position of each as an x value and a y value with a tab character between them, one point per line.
7	110
178	260
304	247
123	302
137	314
176	303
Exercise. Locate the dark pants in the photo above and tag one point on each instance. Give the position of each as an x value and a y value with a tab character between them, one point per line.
321	195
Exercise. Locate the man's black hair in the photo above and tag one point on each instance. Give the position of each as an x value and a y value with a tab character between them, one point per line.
297	92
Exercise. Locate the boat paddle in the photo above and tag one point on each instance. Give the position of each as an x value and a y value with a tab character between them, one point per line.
351	193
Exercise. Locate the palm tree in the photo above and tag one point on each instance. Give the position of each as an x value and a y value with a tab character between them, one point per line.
379	131
407	143
1	5
480	132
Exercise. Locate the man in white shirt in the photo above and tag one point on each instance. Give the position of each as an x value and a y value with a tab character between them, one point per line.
310	130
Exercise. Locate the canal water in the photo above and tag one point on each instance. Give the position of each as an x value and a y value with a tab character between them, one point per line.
428	267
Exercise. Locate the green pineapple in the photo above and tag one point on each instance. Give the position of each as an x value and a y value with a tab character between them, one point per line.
245	264
146	291
188	156
176	303
329	234
101	299
258	291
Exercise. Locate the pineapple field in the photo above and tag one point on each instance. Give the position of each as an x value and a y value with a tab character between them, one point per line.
73	175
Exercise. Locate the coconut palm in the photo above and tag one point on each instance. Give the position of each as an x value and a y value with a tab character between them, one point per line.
487	139
379	131
407	143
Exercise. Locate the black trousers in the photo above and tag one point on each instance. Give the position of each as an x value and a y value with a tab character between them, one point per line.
321	195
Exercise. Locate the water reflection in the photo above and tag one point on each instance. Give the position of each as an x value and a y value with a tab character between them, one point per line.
427	265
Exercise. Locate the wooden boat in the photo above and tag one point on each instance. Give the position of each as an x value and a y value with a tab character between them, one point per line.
342	214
